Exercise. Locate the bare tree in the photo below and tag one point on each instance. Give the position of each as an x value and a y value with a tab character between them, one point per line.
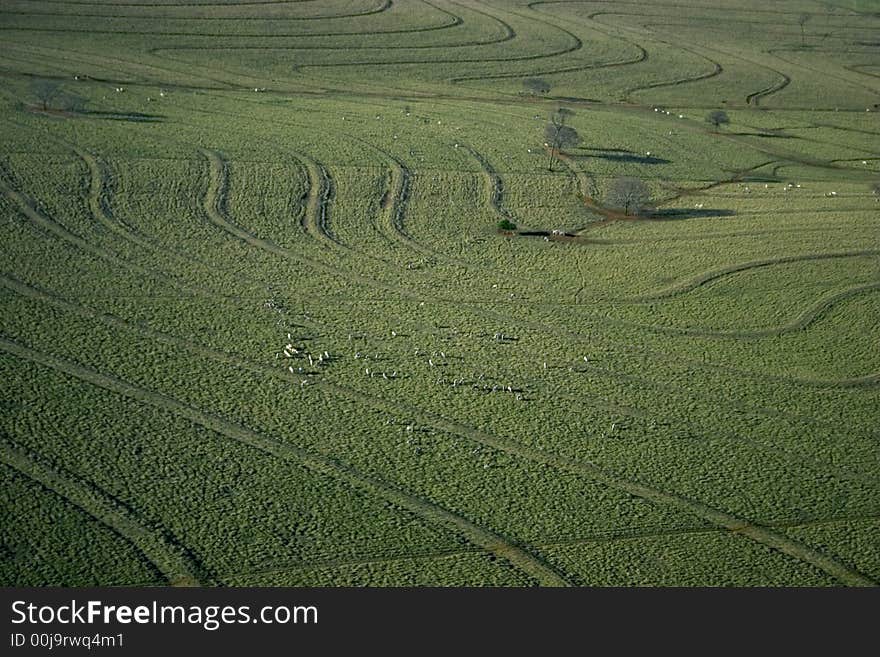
558	135
803	19
628	194
717	118
45	91
536	85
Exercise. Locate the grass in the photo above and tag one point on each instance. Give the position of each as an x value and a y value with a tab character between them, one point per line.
685	398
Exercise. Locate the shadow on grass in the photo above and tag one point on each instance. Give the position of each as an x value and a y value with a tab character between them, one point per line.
136	117
766	135
670	214
619	155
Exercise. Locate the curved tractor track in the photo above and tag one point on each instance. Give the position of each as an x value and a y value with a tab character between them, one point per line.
802	321
217	214
393	206
222	221
316	211
29	209
494	186
484	538
755	98
752	99
157	547
716	274
762	534
99	206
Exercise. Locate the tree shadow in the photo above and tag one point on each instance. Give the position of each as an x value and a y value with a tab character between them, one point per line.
671	214
137	117
68	113
573	99
620	155
766	135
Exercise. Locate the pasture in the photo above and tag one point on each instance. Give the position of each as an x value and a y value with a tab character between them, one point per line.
259	326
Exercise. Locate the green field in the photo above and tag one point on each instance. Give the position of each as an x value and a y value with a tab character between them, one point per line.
259	326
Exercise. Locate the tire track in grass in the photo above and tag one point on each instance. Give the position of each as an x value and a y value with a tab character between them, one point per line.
494	186
640	57
737	177
584	182
217	214
392	219
172	560
608	537
818	72
99	206
394	202
317	201
338	389
383	5
802	321
28	208
317	207
393	211
717	69
324	465
314	220
759	533
867	380
578	44
102	213
752	98
755	98
715	274
322	193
